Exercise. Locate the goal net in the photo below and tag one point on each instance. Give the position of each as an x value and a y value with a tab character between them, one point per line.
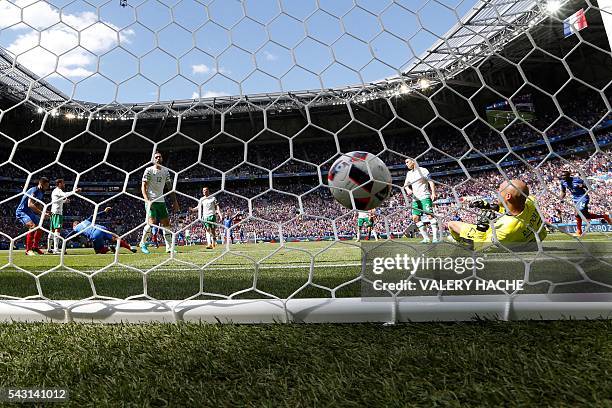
172	160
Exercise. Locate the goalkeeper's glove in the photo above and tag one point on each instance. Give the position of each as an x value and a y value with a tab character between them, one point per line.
480	204
483	205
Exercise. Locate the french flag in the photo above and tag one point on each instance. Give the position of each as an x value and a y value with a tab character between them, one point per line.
574	23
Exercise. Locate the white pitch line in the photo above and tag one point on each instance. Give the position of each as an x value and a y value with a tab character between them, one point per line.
343	265
316	266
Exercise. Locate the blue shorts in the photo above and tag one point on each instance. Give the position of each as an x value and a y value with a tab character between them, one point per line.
99	239
582	204
26	216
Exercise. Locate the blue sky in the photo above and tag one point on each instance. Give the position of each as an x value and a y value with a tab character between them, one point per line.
164	50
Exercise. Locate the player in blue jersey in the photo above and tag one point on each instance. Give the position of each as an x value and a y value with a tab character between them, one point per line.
28	213
98	234
228	220
580	197
238	227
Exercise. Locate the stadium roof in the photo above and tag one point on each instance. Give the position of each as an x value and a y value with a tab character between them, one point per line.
16	80
478	33
489	26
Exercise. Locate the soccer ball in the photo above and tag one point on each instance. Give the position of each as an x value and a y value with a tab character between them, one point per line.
362	176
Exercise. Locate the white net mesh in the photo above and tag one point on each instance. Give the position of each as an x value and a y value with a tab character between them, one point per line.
477	92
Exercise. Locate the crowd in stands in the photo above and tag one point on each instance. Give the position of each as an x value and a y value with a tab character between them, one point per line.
297	211
434	143
316	215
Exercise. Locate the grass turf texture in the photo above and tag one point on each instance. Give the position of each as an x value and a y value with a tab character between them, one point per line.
278	270
563	363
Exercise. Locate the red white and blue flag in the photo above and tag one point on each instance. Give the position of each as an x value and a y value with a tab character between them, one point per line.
574	23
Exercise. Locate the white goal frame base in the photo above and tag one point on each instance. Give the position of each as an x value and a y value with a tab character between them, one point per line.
335	310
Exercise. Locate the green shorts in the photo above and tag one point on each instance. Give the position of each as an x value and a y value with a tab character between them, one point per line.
56	221
207	222
367	222
424	206
158	211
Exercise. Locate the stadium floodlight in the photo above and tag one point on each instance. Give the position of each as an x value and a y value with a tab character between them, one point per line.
223	118
424	83
553	6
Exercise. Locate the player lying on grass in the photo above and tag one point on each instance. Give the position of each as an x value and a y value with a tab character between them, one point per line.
581	199
98	234
28	213
517	220
419	185
154	180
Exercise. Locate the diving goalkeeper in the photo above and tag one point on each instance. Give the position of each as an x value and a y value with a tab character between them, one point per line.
516	219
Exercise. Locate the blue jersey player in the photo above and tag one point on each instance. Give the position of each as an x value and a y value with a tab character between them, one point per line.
228	220
28	213
98	234
580	197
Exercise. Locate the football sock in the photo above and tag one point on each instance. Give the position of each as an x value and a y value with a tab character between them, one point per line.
434	228
599	216
421	226
29	237
124	244
168	239
36	238
579	224
146	234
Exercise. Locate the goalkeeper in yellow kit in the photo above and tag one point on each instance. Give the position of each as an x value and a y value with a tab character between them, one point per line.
519	222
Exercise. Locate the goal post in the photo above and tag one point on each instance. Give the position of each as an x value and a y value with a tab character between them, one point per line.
313	310
493	124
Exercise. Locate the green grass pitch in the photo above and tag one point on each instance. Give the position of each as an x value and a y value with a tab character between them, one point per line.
279	270
482	363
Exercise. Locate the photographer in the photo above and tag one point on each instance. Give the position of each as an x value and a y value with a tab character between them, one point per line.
516	220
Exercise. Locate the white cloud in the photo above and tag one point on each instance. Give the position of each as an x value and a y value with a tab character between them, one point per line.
39	15
9	14
74	72
269	56
205	69
208	94
58	49
200	69
213	94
